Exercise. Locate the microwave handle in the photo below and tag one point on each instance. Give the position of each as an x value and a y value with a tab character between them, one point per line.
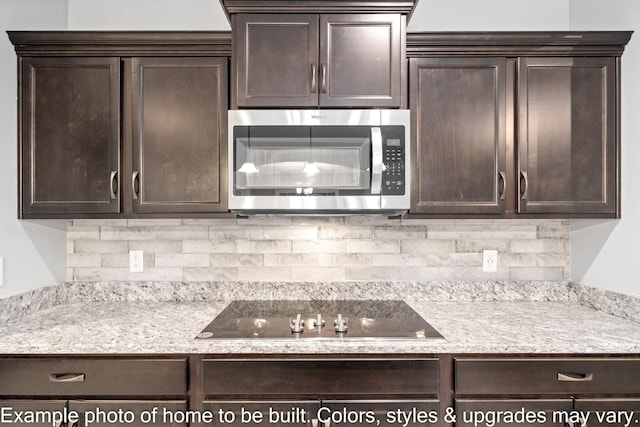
376	160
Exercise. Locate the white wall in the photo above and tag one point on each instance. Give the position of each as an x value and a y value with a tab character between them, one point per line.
146	15
605	253
490	15
34	251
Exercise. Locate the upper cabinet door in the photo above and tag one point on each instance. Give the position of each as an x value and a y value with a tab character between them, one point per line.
297	60
70	137
458	151
360	60
276	60
179	135
568	148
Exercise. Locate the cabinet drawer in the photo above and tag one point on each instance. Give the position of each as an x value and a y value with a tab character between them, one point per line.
101	377
306	377
547	376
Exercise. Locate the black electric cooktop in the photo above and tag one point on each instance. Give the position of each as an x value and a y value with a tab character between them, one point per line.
319	319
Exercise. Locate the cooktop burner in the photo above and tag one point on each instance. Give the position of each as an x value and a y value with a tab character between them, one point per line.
319	319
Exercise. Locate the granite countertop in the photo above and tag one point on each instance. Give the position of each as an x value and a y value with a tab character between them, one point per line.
480	325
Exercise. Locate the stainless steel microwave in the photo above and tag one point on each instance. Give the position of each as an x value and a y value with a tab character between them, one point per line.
313	162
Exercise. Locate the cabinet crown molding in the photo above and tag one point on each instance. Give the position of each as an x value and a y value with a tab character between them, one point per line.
404	7
121	43
517	43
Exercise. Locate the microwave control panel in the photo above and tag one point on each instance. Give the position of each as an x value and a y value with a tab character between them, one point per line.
393	157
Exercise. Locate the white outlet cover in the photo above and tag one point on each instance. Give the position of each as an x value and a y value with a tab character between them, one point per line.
490	261
1	271
136	261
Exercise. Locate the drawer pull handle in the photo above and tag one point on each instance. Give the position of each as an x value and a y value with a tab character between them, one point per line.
66	378
572	377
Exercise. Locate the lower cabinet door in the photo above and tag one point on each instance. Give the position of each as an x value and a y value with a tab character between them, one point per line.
610	412
32	413
283	413
406	413
133	413
513	412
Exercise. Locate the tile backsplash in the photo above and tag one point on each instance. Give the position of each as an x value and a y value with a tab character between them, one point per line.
358	248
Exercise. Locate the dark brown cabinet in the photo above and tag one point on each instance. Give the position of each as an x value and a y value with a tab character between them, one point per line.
94	391
70	150
122	125
308	392
546	391
458	108
311	60
179	135
515	124
567	133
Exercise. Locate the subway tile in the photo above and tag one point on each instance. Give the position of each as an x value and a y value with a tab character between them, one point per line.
236	232
156	246
211	274
454	259
182	260
317	274
554	246
211	222
406	232
427	246
399	260
208	246
290	260
427	273
291	233
355	232
264	246
372	246
372	273
262	274
537	273
127	233
85	232
100	246
318	246
84	260
344	260
184	232
482	244
236	260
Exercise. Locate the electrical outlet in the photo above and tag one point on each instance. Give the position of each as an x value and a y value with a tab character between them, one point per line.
490	261
1	271
136	261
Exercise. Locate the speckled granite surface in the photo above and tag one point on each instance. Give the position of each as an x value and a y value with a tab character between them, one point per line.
164	317
468	327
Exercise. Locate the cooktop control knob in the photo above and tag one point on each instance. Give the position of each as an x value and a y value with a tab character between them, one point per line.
318	323
297	325
340	324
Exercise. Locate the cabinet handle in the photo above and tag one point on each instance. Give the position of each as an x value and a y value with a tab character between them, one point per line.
524	185
323	77
314	78
113	184
314	423
573	377
503	180
135	185
66	378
